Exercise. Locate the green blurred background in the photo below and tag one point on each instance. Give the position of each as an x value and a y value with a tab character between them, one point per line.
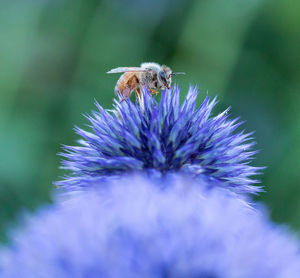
53	59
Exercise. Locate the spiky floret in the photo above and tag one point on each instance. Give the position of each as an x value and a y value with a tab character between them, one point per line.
132	227
163	137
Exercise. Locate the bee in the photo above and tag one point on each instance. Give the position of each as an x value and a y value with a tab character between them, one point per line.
151	76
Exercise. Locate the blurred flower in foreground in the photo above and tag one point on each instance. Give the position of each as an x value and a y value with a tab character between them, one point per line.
161	138
131	228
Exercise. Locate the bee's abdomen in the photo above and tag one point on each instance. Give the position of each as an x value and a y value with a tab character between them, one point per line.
126	84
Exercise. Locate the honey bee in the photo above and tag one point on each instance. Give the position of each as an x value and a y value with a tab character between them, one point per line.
149	75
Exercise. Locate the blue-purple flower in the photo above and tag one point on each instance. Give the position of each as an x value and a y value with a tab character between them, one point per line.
137	227
163	137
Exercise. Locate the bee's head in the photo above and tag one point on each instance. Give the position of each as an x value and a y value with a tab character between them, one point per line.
165	77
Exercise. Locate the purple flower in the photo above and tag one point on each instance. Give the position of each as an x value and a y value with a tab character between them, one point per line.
163	137
130	228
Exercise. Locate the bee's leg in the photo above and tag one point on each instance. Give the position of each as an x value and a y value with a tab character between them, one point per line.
154	92
138	94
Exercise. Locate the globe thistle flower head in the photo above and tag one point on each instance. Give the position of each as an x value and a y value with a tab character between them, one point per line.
163	137
132	227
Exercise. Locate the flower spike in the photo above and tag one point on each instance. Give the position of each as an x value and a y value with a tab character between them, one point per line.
163	137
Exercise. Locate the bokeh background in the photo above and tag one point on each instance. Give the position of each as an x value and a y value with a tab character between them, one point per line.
53	59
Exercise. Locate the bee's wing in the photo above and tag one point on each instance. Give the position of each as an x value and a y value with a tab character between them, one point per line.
126	69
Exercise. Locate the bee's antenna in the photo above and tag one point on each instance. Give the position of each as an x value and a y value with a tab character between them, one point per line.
175	73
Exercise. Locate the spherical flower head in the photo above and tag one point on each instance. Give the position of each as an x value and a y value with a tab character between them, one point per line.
137	227
163	137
